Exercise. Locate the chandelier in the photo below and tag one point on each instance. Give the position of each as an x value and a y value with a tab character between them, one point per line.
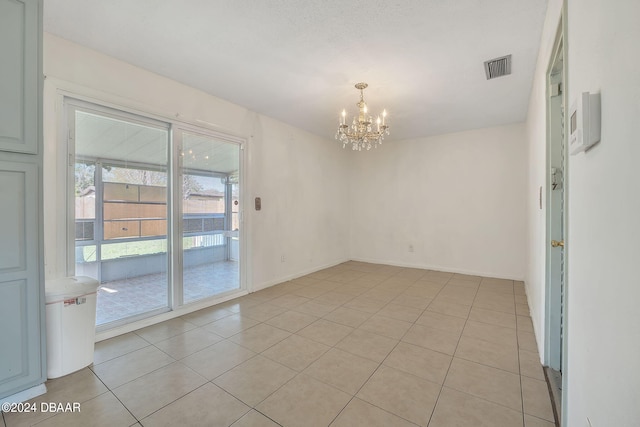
360	133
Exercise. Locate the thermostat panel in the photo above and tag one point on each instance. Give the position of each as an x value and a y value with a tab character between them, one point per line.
584	122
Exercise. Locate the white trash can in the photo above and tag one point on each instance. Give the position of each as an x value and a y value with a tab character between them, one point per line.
71	324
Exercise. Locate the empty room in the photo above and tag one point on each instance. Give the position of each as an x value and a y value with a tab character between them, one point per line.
244	213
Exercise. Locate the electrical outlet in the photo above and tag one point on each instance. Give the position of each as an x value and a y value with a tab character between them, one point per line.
410	248
282	258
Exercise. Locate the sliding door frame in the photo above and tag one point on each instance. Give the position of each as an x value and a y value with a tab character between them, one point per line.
178	129
70	102
71	105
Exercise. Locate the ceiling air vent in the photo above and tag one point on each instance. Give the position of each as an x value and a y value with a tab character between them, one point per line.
498	67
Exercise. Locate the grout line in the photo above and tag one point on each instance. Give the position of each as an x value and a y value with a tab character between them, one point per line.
136	378
519	369
175	360
400	291
487	366
454	350
466	320
114	395
334	347
380	364
120	355
344	407
185	395
261	413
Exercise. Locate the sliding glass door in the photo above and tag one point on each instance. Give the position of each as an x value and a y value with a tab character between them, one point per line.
156	230
210	228
121	209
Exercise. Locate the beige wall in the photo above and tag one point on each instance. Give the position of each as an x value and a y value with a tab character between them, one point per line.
458	200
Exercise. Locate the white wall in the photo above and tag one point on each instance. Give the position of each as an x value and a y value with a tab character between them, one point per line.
458	199
602	317
300	177
604	219
301	180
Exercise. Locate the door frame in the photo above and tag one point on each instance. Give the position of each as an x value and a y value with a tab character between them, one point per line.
75	95
553	303
177	132
560	40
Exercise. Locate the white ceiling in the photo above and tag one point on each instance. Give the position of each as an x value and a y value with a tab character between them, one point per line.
297	61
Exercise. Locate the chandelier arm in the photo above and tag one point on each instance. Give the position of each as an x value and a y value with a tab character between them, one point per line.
360	133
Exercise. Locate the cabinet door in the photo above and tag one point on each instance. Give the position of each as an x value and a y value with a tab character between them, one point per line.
20	36
21	265
20	290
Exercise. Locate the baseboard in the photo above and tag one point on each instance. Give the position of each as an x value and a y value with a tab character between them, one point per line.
272	282
440	268
25	395
536	334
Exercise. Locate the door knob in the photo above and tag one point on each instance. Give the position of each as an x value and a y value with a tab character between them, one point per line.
556	243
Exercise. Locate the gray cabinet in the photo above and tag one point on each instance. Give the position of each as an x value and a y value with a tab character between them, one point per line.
19	95
22	355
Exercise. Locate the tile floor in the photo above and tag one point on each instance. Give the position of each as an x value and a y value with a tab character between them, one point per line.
353	345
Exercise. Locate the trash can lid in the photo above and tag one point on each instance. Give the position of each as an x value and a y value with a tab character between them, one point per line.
69	287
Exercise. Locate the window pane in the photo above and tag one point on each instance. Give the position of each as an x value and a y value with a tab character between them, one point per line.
85	200
123	163
133	249
207	205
